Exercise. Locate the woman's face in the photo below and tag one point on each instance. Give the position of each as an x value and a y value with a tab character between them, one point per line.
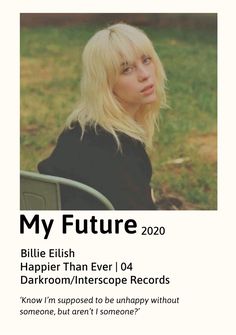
136	84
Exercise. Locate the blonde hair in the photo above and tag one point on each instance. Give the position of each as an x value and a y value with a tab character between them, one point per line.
101	66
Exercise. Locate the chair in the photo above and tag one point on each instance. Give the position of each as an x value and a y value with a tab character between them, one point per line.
43	192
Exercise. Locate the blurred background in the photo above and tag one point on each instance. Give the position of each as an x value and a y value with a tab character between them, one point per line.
184	157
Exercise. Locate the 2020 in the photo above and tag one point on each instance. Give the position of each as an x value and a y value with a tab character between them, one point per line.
153	230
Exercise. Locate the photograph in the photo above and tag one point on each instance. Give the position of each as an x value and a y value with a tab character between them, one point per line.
118	111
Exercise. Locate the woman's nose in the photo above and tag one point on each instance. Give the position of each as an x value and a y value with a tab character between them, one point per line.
143	73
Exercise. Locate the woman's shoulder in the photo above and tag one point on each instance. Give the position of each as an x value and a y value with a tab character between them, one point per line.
98	139
89	138
89	132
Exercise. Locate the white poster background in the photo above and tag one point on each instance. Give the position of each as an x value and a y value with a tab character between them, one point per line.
198	250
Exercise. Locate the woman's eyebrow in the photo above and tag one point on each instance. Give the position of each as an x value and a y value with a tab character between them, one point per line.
124	64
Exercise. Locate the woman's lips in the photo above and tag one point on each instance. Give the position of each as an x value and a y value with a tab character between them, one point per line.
147	90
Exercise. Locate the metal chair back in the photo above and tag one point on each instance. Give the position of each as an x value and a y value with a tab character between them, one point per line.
43	192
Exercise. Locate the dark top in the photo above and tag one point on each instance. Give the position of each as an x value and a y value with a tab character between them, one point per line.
122	176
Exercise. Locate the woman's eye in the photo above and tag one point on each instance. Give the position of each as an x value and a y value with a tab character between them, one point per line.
127	70
147	60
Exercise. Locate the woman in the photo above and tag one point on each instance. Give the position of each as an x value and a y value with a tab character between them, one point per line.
103	144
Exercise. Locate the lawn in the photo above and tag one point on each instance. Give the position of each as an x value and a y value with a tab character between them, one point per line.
184	157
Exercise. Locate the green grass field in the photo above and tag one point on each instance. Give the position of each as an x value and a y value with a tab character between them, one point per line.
184	158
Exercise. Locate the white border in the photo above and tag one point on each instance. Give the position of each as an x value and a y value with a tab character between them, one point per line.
207	238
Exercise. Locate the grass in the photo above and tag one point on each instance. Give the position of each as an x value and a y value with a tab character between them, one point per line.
50	72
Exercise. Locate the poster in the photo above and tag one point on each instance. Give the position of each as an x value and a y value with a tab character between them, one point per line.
166	271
